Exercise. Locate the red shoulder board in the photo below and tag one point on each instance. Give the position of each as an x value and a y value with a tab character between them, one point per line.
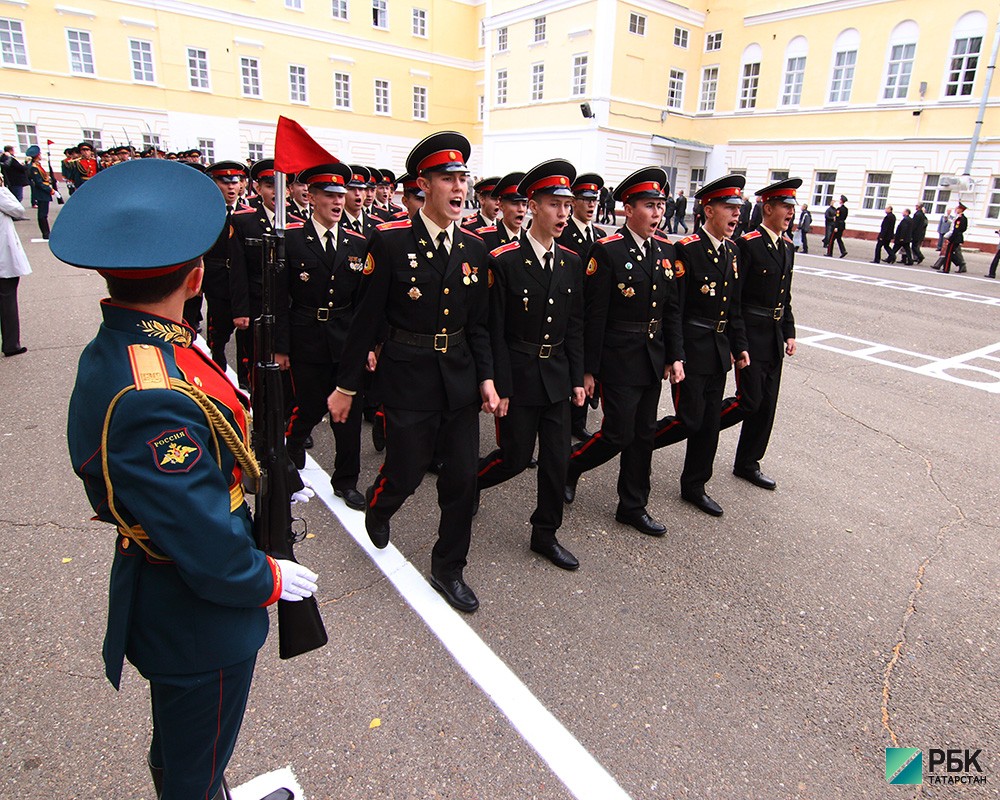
614	237
291	226
243	207
504	248
470	233
293	217
567	249
347	229
487	229
470	218
694	237
245	210
751	235
391	226
400	214
659	238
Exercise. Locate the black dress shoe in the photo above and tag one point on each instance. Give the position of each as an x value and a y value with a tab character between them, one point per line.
703	502
378	434
297	456
457	593
555	553
308	443
642	522
582	434
352	498
569	493
533	463
378	531
756	477
17	352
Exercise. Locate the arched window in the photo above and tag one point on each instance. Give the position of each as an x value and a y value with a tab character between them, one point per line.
795	71
749	76
899	60
845	57
966	47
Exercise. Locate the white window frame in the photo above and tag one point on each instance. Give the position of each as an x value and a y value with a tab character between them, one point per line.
342	91
540	31
383	87
793	81
935	197
481	113
876	196
842	77
419	25
824	188
963	70
380	11
713	41
94	136
145	48
749	85
255	151
993	204
682	37
537	81
676	80
898	71
85	50
637	23
696	181
340	10
27	134
708	93
502	81
298	78
581	63
199	55
250	86
420	103
295	5
207	147
13	44
151	140
502	40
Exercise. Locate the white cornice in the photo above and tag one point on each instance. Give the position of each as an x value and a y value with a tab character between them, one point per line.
810	10
19	3
138	23
239	40
672	10
76	12
305	32
544	7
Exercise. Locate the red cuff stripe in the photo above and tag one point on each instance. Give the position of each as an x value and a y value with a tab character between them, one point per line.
276	575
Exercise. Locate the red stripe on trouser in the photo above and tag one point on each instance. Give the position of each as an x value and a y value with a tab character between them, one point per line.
489	466
739	397
675	420
291	421
377	492
583	448
949	248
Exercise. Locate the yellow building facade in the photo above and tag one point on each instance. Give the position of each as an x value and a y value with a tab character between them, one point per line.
873	99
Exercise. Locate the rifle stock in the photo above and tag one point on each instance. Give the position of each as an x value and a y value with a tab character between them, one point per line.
300	626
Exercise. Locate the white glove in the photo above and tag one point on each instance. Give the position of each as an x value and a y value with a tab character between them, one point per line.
297	582
303	494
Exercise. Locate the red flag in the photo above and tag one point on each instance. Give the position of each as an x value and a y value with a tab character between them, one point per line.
49	141
295	150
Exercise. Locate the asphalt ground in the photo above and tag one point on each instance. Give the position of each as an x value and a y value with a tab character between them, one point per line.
774	652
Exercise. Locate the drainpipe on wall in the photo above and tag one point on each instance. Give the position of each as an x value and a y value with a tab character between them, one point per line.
990	69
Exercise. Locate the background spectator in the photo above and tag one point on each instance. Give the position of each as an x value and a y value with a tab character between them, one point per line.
805	225
919	232
15	174
13	264
944	225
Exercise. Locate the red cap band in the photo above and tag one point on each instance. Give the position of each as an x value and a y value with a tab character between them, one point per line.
508	190
325	177
728	191
487	188
222	172
648	186
586	187
439	158
265	173
778	193
545	183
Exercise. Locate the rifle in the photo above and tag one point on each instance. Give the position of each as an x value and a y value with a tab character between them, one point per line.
300	626
52	174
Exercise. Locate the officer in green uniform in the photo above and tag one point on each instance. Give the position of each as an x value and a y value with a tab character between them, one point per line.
158	435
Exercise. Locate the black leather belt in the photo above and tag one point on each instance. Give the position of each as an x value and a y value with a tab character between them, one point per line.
650	327
533	349
719	326
438	341
765	313
319	314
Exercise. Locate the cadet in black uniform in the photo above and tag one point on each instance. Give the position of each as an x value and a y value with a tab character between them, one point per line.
427	285
766	260
384	191
707	263
951	253
413	197
837	231
579	236
632	341
513	207
324	260
354	212
489	206
536	328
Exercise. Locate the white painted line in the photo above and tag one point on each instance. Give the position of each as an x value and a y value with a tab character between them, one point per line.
263	785
585	778
913	288
934	366
903	268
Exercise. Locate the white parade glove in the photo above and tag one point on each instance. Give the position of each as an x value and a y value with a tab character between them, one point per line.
303	494
297	582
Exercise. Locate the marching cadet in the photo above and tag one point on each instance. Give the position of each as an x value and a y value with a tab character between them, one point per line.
297	203
766	259
709	286
632	342
536	328
513	208
371	190
324	259
354	211
159	436
413	197
951	253
427	285
489	206
579	236
384	191
837	231
227	176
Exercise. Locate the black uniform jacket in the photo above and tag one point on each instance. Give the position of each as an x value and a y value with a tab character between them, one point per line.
574	240
475	221
840	218
246	276
368	224
494	236
409	288
958	230
709	286
317	298
533	309
216	280
766	293
623	288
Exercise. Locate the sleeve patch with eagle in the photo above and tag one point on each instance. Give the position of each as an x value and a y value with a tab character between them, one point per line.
174	451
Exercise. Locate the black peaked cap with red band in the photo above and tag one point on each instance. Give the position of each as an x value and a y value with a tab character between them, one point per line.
262	170
727	189
445	151
332	178
226	171
780	192
553	177
588	185
506	188
648	183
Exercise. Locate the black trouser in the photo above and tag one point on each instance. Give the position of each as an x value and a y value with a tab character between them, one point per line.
915	250
627	428
220	327
836	236
413	440
697	407
905	247
313	384
805	243
951	254
10	321
993	264
516	435
881	244
192	312
196	719
43	217
754	405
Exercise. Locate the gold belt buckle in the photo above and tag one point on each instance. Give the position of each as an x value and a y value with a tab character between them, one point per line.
720	326
778	313
653	327
323	314
544	351
443	348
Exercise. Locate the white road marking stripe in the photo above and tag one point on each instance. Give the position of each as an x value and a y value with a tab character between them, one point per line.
263	785
585	778
885	283
933	366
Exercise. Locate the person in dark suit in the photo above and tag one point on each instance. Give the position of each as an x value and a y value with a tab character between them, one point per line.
829	216
918	233
426	284
489	206
756	215
680	211
632	342
369	194
805	226
384	192
992	272
159	437
714	337
903	236
951	253
885	236
837	231
513	208
536	330
743	225
766	261
667	220
324	260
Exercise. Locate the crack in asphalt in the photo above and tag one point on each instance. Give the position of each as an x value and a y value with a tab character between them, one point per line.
46	523
918	582
352	592
73	674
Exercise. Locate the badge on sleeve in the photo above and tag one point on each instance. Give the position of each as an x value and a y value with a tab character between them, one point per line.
592	266
489	278
174	451
369	265
678	269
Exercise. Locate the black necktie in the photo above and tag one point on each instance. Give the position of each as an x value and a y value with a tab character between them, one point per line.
356	225
645	248
442	250
587	237
548	262
330	247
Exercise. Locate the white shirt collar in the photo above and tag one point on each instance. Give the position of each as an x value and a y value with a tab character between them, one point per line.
638	239
540	251
434	229
321	231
